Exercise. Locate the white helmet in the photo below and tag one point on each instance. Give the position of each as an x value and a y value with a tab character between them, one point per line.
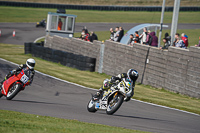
30	63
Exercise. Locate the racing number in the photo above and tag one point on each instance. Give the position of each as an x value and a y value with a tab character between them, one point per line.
24	79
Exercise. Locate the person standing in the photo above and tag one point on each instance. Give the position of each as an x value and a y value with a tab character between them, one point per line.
59	24
112	34
116	34
143	36
121	34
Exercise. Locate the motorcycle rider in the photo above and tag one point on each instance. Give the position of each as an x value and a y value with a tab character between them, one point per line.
30	64
130	78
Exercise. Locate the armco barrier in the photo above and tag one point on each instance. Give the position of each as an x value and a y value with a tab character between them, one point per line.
90	7
65	58
176	70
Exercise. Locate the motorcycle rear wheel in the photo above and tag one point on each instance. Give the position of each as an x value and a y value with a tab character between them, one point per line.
111	109
91	106
14	90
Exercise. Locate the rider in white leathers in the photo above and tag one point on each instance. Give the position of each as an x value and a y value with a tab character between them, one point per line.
129	78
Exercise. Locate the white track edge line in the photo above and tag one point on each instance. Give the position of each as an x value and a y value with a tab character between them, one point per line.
39	39
96	89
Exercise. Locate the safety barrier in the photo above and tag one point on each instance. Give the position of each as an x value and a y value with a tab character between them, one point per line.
101	8
65	58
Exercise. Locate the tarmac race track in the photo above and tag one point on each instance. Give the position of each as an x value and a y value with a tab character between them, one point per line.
50	97
27	32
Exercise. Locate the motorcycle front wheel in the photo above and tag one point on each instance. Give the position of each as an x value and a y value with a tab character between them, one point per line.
14	90
91	106
0	92
114	104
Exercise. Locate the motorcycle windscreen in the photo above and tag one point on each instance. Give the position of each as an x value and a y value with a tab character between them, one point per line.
7	84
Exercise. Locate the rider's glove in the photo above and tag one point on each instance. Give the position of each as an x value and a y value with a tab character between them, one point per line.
113	79
14	72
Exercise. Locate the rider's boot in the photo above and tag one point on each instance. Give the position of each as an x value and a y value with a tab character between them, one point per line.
98	94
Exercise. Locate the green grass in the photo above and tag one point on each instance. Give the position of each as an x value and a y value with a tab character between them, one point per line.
12	122
15	53
22	14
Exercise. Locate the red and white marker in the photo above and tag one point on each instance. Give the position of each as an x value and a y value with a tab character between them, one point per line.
14	33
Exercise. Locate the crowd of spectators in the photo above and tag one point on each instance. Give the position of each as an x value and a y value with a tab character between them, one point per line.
146	38
85	35
117	34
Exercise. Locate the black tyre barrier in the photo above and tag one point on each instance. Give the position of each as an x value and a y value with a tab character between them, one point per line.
67	59
101	8
27	48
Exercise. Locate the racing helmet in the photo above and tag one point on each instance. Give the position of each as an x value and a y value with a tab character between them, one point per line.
30	63
133	74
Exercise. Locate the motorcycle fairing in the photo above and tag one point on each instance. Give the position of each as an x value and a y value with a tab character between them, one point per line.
7	84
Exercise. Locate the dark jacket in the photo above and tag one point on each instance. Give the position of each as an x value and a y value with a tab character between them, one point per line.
154	40
166	45
121	34
93	37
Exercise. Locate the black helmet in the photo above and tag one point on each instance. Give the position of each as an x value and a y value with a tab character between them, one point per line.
133	74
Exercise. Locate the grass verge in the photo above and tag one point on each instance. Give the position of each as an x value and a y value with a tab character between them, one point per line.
12	122
22	14
15	53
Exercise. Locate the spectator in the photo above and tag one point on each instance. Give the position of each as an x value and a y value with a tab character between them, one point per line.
154	41
198	44
179	43
130	40
59	24
84	36
112	34
149	38
86	30
143	36
185	39
93	37
136	39
121	34
168	38
116	34
176	37
166	44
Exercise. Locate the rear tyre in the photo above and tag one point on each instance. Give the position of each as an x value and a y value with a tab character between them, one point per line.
91	106
14	90
114	104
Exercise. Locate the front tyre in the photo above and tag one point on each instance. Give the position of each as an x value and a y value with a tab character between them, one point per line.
0	92
14	90
114	104
91	106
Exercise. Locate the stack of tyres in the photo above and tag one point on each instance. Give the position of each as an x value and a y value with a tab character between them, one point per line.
68	59
86	63
27	47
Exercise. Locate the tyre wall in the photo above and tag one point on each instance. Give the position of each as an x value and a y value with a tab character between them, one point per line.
65	58
91	7
75	46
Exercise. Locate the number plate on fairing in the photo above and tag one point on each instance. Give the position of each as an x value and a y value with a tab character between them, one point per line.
24	79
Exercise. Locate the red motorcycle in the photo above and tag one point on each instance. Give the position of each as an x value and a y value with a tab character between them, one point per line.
12	86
